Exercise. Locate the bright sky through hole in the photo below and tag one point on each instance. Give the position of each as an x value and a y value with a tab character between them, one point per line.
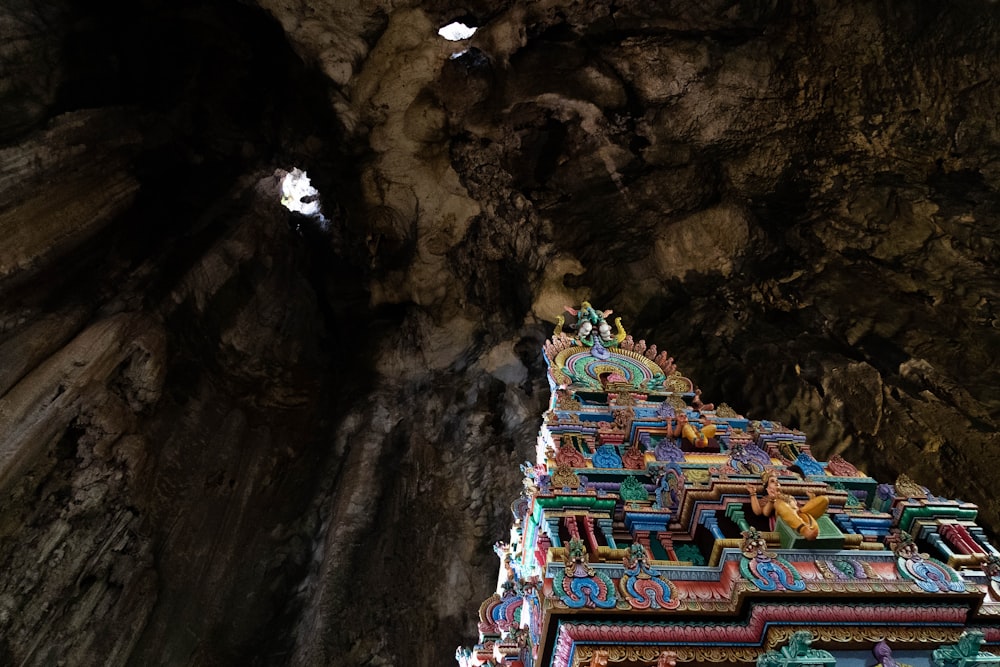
456	32
298	194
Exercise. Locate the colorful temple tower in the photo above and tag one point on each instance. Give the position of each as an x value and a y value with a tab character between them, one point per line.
655	529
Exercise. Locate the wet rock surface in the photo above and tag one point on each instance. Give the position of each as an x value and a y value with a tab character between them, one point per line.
230	434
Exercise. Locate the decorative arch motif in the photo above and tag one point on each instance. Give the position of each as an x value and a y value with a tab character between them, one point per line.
772	574
584	369
579	585
748	458
765	570
929	574
500	613
808	465
642	586
578	592
668	450
631	489
679	384
607	456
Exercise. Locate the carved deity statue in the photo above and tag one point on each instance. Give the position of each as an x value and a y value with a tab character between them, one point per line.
679	426
800	519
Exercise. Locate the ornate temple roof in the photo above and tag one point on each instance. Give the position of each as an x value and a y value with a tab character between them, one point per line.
657	529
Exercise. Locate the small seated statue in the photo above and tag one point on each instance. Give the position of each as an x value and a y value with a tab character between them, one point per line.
679	426
800	519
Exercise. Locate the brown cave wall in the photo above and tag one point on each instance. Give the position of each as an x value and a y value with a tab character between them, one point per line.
233	435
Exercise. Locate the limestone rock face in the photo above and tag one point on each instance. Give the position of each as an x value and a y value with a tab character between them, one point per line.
234	435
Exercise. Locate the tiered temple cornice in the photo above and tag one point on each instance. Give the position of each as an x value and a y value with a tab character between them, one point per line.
655	528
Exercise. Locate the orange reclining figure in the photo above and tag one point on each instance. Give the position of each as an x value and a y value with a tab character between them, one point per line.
800	519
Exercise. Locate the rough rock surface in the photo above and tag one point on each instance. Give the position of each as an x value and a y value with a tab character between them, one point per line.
232	435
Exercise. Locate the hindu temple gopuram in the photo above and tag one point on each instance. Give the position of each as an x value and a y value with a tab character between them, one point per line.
657	529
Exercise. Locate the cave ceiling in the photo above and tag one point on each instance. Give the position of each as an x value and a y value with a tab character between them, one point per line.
235	435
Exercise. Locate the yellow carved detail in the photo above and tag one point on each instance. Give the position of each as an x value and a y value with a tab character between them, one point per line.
621	331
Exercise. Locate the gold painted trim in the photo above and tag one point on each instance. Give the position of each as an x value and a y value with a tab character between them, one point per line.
859	637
